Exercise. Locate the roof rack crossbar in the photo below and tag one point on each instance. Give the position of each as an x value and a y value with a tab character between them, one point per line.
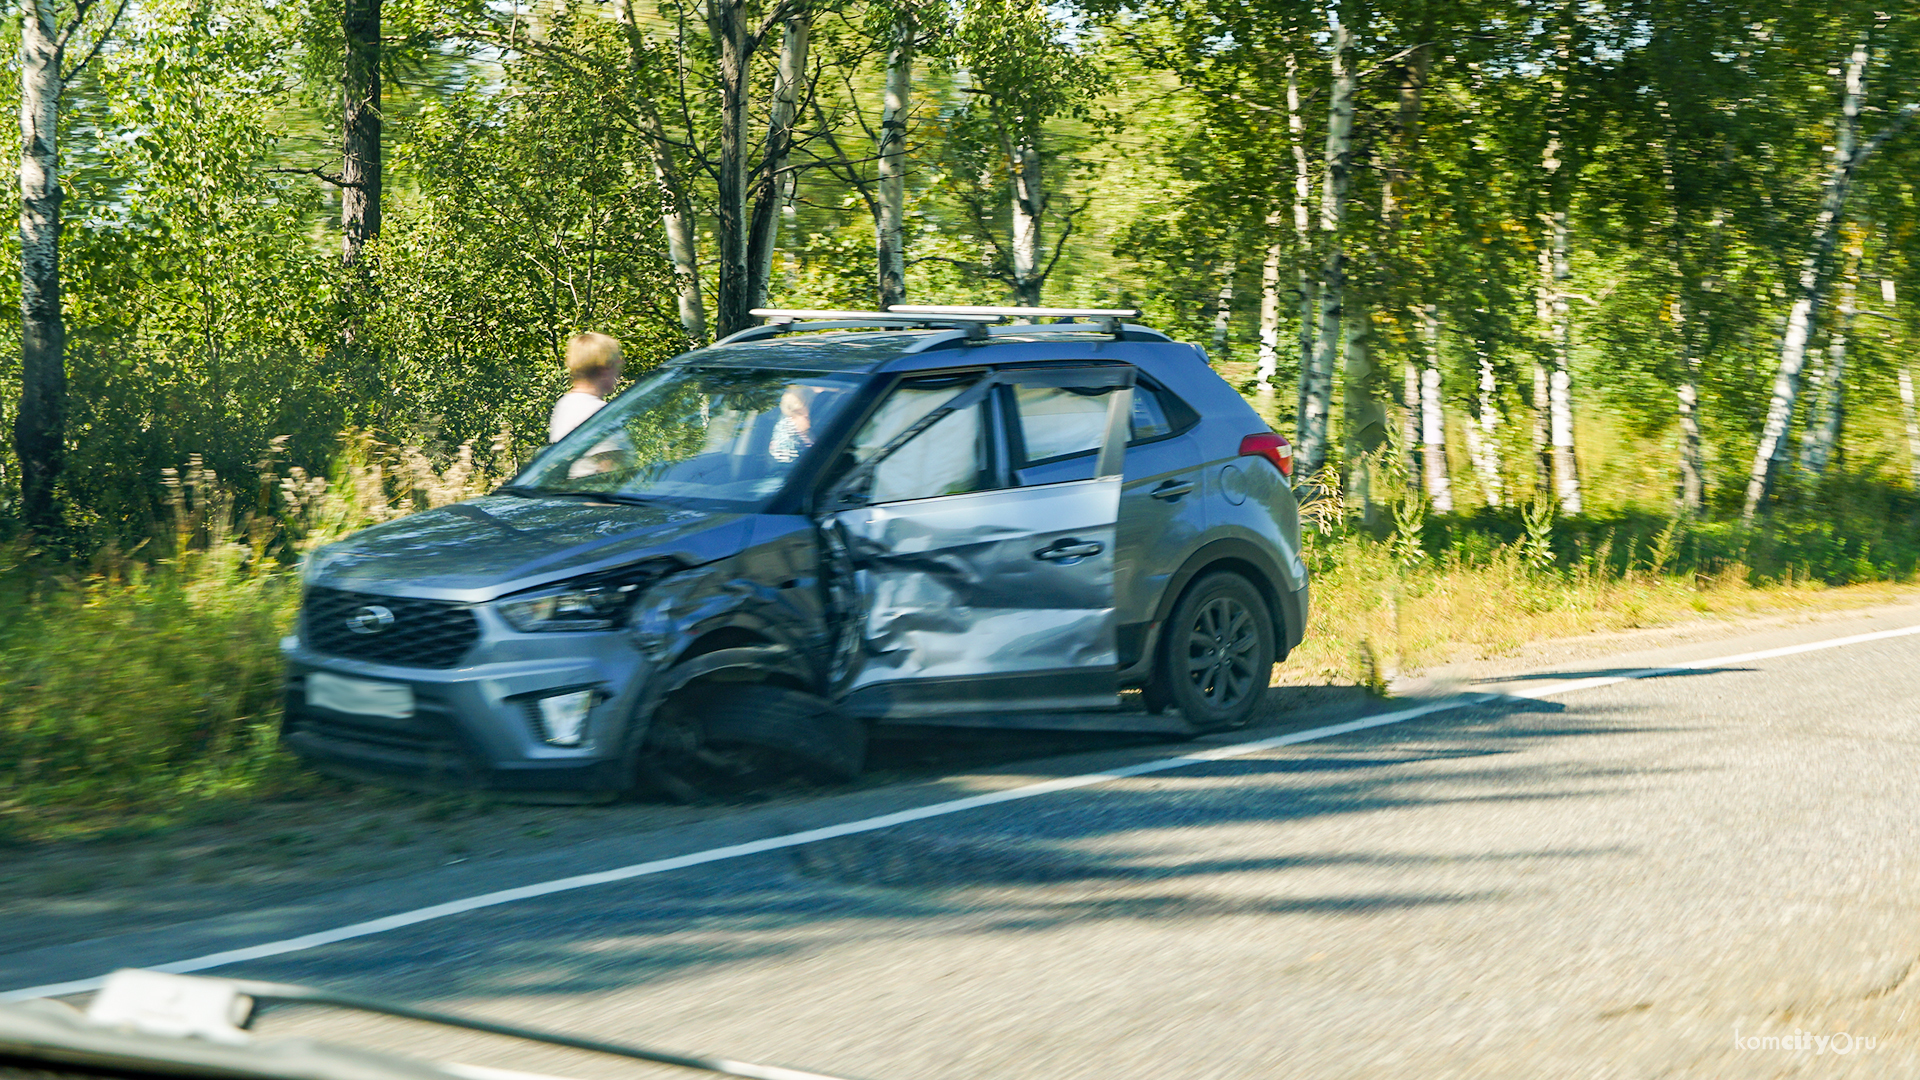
1017	312
972	321
798	320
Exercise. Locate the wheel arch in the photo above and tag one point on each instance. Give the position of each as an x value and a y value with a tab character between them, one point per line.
1240	557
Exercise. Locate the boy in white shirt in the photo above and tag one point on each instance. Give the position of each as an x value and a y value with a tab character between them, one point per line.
594	362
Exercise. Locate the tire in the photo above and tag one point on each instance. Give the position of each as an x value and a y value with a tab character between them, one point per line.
726	739
1216	653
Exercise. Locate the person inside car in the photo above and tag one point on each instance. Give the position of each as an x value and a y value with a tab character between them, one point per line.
794	432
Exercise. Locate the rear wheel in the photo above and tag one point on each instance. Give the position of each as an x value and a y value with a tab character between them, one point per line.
1216	653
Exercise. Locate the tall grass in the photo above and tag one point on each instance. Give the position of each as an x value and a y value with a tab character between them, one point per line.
142	689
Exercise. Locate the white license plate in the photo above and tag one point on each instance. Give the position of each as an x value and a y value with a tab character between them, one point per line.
359	696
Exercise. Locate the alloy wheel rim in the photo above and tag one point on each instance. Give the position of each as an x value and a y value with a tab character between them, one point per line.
1220	652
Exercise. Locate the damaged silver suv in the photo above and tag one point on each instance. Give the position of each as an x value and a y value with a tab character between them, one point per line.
833	521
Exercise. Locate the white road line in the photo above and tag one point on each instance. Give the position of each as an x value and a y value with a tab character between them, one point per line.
885	821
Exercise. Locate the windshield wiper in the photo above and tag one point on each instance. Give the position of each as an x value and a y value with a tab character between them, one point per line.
554	493
140	1020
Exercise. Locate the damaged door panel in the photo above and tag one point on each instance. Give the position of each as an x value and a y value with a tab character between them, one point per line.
959	591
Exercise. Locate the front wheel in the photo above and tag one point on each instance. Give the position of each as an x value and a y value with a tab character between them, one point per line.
1217	653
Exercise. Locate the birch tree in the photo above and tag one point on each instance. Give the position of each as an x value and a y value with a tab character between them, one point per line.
776	181
889	224
1436	477
1561	463
39	428
1820	442
1848	158
676	209
1316	378
1020	75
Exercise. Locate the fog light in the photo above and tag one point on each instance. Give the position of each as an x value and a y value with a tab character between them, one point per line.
563	717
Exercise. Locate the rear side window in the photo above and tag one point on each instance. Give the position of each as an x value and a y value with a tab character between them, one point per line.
1157	413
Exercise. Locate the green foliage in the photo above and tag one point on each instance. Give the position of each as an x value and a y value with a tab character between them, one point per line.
139	691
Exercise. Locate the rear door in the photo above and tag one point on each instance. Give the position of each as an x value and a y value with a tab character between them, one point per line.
960	590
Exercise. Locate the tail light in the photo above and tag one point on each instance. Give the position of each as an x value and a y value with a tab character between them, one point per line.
1274	448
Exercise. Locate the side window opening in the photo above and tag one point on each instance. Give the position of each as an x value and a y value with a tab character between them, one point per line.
953	456
1056	421
949	458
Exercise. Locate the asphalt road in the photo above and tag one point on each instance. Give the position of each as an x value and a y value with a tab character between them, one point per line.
1626	880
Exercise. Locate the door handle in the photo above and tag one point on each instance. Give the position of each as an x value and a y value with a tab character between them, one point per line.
1172	489
1069	549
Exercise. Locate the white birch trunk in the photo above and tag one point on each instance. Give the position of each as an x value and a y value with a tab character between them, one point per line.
1483	436
1411	425
1029	201
1333	209
39	428
890	246
1912	417
1223	308
683	242
777	184
1687	390
1269	354
1305	286
1693	485
1820	442
1433	418
1813	274
1566	467
1561	464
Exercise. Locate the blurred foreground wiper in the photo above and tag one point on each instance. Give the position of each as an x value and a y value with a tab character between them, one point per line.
145	1023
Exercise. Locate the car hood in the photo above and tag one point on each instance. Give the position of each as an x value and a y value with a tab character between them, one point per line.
476	550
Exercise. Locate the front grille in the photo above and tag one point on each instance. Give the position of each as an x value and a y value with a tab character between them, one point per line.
421	633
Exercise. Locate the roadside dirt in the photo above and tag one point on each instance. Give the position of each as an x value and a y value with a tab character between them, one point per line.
271	853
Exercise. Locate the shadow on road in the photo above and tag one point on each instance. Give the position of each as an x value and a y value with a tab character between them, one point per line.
1129	849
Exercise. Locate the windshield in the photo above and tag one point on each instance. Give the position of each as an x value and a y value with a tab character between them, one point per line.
714	438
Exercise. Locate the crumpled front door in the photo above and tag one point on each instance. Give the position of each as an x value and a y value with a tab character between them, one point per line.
961	592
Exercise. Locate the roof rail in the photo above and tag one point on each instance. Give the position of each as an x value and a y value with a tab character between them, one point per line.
1100	320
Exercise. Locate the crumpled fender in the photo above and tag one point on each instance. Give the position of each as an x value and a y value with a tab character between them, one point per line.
683	607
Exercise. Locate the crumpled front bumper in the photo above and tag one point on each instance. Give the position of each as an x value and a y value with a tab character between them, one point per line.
476	725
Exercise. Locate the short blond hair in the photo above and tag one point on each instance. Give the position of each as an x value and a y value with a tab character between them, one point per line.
591	355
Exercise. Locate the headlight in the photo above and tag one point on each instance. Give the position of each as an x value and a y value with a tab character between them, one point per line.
567	609
596	603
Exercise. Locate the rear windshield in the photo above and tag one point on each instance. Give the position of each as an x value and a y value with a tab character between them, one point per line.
708	438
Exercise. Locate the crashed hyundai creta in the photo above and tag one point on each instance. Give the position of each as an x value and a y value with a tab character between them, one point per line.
770	546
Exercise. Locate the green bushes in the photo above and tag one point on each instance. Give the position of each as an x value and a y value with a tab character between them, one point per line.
140	692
